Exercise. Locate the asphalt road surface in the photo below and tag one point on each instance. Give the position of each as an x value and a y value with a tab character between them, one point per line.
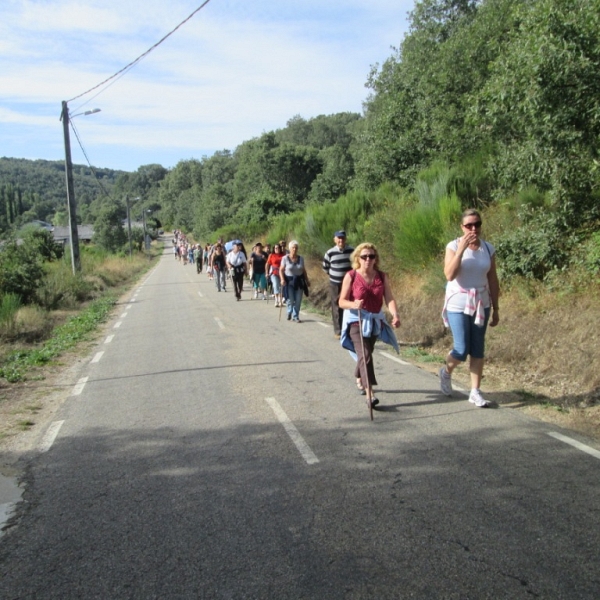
209	450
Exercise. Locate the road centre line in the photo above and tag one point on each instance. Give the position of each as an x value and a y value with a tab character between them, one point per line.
79	386
575	444
307	454
219	322
97	357
118	324
123	315
322	324
50	435
201	294
109	339
398	360
128	307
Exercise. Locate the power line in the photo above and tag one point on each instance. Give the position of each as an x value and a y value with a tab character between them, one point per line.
88	160
139	58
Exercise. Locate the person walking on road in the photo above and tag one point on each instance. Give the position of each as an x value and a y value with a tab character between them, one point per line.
258	262
219	268
199	257
364	290
295	279
236	260
273	266
336	263
471	303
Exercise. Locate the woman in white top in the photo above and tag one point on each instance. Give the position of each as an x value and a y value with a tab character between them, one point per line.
471	302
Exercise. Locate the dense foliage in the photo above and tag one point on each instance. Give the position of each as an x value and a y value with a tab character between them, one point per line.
36	190
486	103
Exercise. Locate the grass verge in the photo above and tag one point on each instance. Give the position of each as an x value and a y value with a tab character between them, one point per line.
64	337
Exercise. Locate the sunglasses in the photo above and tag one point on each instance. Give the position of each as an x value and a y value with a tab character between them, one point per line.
475	225
368	257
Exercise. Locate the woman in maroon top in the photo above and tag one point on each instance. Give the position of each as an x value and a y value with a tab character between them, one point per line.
364	290
273	264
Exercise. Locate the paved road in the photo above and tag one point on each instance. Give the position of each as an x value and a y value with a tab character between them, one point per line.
215	452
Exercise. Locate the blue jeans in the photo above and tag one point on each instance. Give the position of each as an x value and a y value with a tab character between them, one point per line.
276	283
469	339
294	301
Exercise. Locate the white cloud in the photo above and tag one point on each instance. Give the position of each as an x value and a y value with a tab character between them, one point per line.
236	69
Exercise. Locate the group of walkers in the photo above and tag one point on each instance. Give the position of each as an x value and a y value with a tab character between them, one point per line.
185	252
277	272
358	289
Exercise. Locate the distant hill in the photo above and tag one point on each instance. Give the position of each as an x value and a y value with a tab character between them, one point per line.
42	188
46	178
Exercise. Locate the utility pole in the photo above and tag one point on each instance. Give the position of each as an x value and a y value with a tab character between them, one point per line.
128	223
75	258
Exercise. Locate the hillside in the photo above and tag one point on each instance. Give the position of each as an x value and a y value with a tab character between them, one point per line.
41	184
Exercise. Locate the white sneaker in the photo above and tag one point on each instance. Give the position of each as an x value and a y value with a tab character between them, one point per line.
476	398
445	382
255	294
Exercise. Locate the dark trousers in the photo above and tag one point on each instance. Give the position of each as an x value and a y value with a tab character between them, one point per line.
238	282
364	367
337	313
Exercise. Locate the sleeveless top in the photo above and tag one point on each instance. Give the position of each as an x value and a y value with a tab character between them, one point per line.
372	295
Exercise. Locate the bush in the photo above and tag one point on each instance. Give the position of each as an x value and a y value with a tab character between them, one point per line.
21	271
9	306
62	288
424	229
535	249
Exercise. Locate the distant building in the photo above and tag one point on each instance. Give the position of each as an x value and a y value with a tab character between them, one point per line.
42	224
62	235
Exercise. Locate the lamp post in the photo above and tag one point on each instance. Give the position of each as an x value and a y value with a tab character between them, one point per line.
65	118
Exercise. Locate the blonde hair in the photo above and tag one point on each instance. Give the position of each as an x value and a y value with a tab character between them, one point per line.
358	251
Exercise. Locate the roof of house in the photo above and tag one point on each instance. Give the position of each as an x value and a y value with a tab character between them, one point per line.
85	233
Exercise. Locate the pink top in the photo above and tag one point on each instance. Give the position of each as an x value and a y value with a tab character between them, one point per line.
372	295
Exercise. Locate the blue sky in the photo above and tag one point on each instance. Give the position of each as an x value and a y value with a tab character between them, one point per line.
238	68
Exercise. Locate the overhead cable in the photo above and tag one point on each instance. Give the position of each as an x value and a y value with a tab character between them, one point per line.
102	188
139	58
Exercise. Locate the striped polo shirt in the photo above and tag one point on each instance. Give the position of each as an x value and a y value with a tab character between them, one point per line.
336	263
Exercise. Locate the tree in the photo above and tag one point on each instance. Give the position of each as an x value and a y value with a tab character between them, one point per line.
108	227
542	103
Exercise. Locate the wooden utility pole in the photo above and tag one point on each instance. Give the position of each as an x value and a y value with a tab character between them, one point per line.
128	223
75	258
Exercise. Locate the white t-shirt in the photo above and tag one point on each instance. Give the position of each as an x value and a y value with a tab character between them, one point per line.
474	268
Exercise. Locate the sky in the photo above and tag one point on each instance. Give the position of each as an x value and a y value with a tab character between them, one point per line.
235	70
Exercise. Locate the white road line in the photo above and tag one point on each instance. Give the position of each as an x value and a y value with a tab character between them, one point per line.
575	443
123	315
128	307
97	357
220	323
109	339
50	436
307	454
398	360
322	324
201	294
117	324
79	386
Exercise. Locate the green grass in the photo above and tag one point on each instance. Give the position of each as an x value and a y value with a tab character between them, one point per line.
63	338
420	355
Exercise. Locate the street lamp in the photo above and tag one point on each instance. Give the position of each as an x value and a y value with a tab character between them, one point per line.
65	118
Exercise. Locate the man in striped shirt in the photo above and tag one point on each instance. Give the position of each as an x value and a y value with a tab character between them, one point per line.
336	263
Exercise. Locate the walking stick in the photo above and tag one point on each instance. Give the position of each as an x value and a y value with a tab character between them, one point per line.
369	390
